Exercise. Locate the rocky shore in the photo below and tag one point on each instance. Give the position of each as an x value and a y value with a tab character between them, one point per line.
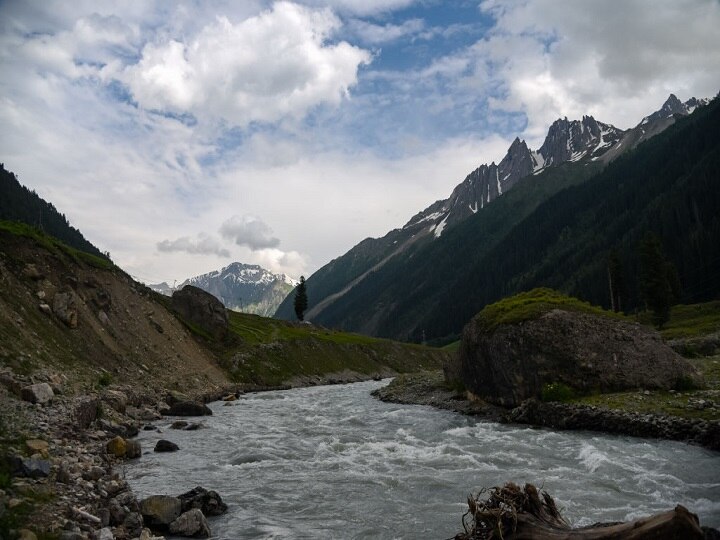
62	460
430	389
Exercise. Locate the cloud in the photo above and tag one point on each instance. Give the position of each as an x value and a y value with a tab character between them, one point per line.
277	261
249	231
377	34
274	65
554	59
203	245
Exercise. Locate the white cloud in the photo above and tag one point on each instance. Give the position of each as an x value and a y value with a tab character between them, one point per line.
274	65
277	261
383	33
607	59
249	231
203	245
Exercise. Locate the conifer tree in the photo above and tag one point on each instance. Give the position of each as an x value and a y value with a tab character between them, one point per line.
301	299
659	284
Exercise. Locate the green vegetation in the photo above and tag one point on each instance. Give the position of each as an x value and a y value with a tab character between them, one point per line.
687	321
53	245
271	352
105	379
659	282
684	402
556	229
301	299
557	392
530	305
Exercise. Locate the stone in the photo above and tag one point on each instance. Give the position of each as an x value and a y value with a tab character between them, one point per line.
134	450
117	447
230	397
105	534
164	445
31	271
160	510
187	408
103	318
94	473
31	467
116	399
47	310
585	352
192	523
202	309
179	424
133	524
37	393
64	308
63	475
37	446
147	535
208	501
86	411
26	534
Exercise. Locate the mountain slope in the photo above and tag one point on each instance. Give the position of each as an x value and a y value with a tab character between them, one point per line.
669	185
581	145
17	203
241	287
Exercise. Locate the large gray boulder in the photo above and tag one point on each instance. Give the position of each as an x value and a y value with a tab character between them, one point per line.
208	501
160	510
64	308
510	363
192	523
37	393
201	309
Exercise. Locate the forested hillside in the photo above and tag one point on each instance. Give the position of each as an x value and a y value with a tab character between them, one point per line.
557	231
18	203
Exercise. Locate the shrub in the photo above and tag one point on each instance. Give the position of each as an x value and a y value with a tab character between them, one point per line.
105	379
557	392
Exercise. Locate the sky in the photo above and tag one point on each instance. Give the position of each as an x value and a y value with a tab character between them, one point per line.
182	136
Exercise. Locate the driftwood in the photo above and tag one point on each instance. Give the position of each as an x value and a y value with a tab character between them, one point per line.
514	513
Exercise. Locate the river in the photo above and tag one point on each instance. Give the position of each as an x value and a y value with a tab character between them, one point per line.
334	462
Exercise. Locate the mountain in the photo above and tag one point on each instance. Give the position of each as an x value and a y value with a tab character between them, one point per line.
241	287
18	203
392	285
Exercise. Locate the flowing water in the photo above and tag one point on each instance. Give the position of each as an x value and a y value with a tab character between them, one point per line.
333	462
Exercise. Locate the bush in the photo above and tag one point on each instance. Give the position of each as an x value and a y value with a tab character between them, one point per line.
557	392
105	379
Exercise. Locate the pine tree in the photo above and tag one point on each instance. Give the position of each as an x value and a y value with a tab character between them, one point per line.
616	281
301	299
659	284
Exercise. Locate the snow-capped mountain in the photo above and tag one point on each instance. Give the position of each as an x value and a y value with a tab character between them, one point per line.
574	142
566	141
242	287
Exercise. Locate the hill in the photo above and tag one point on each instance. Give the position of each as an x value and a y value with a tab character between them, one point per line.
553	229
68	312
18	203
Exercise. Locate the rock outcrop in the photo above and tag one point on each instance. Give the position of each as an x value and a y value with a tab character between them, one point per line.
201	309
585	352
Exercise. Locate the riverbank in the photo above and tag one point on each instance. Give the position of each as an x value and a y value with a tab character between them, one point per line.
692	417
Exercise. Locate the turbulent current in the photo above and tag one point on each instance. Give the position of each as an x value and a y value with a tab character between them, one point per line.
333	462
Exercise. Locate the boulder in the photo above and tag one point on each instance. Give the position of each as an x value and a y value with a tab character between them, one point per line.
160	510
133	524
179	424
30	467
105	534
37	446
187	408
117	447
37	393
134	450
207	501
201	309
509	363
64	308
86	411
116	399
192	523
166	446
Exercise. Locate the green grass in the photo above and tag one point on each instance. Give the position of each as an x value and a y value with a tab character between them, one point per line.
531	305
54	245
452	347
694	320
665	402
269	352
